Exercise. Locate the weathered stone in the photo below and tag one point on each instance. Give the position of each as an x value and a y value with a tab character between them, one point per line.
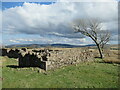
48	59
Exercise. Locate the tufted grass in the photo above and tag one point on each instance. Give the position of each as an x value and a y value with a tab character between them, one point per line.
84	75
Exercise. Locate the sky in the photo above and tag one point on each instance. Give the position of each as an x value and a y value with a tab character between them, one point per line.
52	22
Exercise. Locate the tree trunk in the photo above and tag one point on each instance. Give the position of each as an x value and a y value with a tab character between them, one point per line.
100	51
99	48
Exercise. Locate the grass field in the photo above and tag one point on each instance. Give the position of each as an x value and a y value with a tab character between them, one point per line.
84	75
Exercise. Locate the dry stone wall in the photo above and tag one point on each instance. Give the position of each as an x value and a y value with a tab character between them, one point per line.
49	59
68	57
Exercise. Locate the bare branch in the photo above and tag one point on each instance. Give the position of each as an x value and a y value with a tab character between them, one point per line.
92	29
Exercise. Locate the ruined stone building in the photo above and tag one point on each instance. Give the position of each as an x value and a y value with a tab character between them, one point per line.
48	59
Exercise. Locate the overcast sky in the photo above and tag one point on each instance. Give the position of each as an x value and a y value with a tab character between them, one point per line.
51	22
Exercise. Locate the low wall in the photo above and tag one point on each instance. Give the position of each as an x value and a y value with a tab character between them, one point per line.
68	57
49	59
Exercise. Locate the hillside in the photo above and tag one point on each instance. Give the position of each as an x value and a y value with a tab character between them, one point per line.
47	45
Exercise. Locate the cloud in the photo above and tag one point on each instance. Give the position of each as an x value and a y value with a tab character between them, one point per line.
56	19
34	18
88	0
14	41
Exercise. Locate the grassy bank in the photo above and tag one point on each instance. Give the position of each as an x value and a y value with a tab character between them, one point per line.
84	75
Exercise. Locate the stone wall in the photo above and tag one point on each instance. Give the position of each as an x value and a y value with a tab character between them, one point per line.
49	59
3	52
68	57
11	53
29	60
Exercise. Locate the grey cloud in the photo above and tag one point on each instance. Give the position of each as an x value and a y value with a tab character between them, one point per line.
46	19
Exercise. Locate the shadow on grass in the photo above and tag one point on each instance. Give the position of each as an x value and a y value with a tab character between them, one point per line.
98	57
106	62
99	60
15	66
109	62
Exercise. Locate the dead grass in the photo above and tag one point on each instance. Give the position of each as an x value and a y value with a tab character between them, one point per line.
112	60
111	56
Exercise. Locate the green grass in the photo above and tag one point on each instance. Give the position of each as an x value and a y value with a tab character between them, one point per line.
84	75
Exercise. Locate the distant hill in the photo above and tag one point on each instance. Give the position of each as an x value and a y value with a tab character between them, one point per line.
47	45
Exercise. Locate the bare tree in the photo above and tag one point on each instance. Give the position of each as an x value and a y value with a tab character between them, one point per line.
93	28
